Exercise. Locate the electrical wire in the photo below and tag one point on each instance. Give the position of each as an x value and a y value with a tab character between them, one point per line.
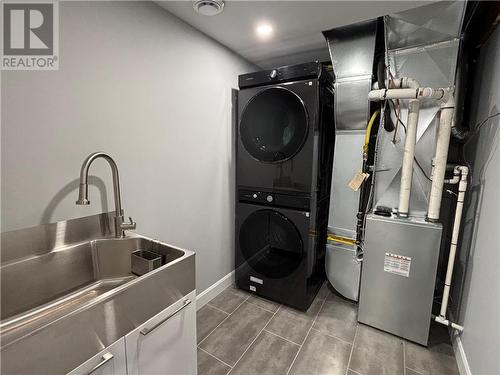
481	124
396	113
472	134
473	13
404	127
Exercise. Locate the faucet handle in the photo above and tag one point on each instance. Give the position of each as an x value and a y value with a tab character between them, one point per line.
132	222
130	225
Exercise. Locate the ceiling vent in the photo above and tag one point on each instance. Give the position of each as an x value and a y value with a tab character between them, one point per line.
208	7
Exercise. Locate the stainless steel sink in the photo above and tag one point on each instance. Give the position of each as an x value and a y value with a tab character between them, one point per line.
85	274
62	280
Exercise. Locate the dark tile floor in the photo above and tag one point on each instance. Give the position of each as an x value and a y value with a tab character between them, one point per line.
239	333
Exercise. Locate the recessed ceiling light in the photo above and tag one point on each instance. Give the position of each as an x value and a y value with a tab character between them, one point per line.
208	7
264	30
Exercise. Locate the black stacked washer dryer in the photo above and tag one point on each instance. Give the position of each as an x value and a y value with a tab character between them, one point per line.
283	173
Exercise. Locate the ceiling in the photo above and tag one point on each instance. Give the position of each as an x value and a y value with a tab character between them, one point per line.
297	25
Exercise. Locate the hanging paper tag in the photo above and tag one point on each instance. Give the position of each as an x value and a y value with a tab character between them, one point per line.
358	180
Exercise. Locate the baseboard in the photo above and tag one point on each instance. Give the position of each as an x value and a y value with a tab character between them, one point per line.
461	358
214	290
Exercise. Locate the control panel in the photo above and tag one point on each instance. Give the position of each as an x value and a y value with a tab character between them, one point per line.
281	74
274	199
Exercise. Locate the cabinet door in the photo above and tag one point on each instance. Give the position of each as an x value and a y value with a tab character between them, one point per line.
165	344
110	361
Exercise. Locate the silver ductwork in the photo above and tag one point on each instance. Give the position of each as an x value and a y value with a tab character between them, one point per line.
422	43
401	252
352	51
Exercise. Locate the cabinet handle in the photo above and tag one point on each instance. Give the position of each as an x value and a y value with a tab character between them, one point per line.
105	359
145	330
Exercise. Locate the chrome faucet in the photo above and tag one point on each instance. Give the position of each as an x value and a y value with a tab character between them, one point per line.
83	192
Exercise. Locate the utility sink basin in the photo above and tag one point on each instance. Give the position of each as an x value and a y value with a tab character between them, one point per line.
69	276
88	277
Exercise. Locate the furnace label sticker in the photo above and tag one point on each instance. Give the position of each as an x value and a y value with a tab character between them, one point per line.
397	264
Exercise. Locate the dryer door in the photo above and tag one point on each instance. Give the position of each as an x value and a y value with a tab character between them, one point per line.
274	125
271	244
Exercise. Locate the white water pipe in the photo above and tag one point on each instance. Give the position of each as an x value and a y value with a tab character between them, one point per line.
399	83
441	157
408	156
406	88
446	322
407	93
409	88
462	172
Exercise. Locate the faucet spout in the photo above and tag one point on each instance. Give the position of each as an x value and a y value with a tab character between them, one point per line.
83	191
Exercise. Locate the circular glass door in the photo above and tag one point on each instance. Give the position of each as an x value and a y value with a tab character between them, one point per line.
271	244
273	125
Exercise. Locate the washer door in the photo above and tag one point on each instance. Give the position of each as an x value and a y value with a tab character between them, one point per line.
274	125
271	244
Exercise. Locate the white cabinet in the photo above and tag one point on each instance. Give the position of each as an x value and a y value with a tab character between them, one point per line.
110	361
165	344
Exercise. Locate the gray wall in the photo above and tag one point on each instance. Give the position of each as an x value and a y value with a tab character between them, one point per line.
152	91
478	268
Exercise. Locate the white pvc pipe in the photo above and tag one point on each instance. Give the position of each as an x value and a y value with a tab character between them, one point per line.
446	322
409	88
454	180
408	156
401	83
462	187
383	94
407	93
463	172
440	160
398	83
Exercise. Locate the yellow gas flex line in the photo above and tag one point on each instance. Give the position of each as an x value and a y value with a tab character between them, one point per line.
342	240
369	130
347	240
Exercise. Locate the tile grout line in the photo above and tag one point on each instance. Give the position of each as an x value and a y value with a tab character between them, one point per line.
404	358
412	369
263	308
218	359
249	346
216	308
333	336
279	307
227	317
307	334
352	350
281	337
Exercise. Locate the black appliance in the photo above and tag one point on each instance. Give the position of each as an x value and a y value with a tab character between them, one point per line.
285	128
283	173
